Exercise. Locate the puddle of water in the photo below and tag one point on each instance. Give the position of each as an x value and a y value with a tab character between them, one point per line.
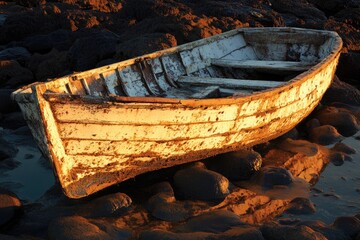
337	193
31	179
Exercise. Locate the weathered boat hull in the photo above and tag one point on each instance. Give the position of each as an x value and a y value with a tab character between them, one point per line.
97	142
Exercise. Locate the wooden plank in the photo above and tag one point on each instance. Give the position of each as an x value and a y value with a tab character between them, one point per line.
132	82
263	65
111	80
159	73
145	113
141	148
229	82
208	92
308	37
131	132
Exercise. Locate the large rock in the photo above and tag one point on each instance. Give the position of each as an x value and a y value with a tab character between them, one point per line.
324	135
283	232
344	148
106	206
342	92
216	222
75	228
106	6
239	165
164	206
199	183
330	232
299	13
301	205
349	65
86	52
12	74
144	44
345	123
49	65
15	53
271	176
333	6
59	39
349	225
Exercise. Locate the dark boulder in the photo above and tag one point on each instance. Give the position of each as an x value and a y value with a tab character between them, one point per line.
270	176
10	208
86	52
12	74
239	165
144	44
300	206
348	224
198	183
324	135
345	123
215	222
75	228
283	232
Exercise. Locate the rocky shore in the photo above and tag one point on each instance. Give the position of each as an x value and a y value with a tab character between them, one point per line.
237	195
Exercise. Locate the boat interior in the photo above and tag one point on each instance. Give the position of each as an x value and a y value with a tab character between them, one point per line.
237	63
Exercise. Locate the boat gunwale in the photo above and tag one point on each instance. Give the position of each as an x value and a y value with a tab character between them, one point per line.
299	79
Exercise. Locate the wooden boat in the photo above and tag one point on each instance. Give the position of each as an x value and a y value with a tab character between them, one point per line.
219	94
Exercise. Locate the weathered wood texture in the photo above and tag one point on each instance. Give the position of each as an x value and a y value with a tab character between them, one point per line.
131	117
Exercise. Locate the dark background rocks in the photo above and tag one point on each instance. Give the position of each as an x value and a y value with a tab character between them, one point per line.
75	35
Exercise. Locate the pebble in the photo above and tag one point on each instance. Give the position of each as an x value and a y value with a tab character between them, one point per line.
299	146
301	205
75	228
324	135
215	222
10	207
239	165
329	232
348	224
106	206
337	158
344	122
284	232
270	176
164	206
342	147
198	183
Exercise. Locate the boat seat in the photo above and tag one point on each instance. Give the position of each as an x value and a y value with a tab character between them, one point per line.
228	82
263	65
